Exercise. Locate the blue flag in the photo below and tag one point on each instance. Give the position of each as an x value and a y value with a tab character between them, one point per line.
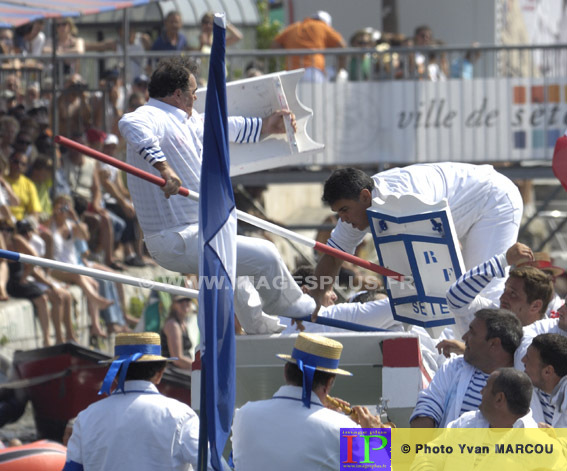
217	264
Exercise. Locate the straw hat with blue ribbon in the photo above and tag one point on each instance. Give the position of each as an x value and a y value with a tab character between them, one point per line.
312	352
138	347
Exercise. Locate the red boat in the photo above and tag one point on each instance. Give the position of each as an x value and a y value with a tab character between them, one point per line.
63	380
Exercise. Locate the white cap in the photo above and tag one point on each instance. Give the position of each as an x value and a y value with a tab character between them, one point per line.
323	16
111	139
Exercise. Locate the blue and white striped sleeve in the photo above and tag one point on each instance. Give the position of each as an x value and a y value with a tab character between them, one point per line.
243	130
140	134
463	291
433	401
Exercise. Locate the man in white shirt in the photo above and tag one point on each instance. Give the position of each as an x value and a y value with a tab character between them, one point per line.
294	430
486	206
165	138
491	341
527	290
505	403
135	428
546	365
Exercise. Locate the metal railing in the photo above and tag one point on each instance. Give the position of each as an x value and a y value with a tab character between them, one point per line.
487	104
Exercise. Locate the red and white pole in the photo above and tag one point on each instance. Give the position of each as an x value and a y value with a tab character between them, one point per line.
268	226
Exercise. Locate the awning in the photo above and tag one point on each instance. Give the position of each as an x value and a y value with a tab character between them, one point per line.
18	12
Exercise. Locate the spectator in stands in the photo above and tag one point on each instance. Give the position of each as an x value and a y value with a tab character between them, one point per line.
84	183
135	101
233	34
7	198
41	174
108	102
315	32
422	37
23	188
137	43
254	68
140	85
13	83
66	227
115	316
175	341
7	49
117	201
74	108
40	291
463	67
491	341
171	38
9	128
68	42
30	39
361	66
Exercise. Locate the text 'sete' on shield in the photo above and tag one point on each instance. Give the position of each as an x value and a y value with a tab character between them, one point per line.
416	238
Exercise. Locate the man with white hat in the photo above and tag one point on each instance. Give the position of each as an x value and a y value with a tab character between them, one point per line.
135	428
294	429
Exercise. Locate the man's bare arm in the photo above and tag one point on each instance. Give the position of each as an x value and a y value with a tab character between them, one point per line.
325	273
172	181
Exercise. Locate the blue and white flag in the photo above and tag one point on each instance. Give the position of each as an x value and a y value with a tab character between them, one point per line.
217	264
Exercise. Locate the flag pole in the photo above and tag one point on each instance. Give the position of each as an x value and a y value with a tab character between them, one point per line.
268	226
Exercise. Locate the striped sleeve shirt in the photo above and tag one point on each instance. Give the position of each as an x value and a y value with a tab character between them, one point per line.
446	394
547	407
464	291
473	395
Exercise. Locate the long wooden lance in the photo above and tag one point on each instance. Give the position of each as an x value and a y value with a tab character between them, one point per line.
255	221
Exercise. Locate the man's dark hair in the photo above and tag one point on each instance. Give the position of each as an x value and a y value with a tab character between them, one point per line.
144	370
302	274
504	325
171	74
537	285
294	376
346	183
552	349
367	295
422	29
517	388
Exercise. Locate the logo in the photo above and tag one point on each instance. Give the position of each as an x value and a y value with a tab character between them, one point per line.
366	448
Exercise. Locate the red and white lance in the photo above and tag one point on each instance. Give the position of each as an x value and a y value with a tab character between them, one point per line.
268	226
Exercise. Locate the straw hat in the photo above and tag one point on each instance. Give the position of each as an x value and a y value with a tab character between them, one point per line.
319	352
128	348
147	343
542	260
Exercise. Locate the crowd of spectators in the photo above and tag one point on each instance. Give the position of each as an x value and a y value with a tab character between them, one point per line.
34	172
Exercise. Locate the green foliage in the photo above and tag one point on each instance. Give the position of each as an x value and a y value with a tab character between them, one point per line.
268	29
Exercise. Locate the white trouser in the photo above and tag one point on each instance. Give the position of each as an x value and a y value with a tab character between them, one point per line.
177	249
495	230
